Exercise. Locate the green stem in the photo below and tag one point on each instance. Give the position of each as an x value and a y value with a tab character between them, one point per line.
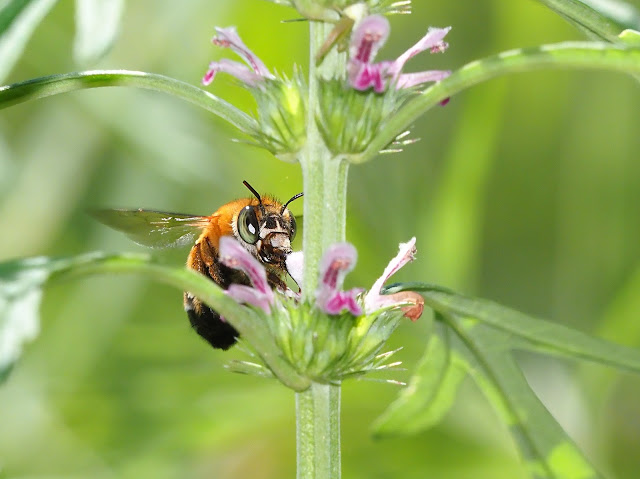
251	328
55	84
324	176
318	432
325	190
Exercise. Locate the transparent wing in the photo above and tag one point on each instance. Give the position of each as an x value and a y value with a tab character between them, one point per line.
157	229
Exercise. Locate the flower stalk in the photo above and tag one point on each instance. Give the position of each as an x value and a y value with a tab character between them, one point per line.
325	179
318	432
324	176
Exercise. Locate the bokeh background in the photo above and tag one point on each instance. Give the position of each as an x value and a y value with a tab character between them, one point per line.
524	190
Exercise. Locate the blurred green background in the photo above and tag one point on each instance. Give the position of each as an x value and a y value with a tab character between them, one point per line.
524	190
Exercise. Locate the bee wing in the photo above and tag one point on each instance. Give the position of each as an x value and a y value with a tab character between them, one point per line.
154	228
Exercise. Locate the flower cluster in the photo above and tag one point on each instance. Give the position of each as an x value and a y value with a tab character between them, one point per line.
254	76
348	118
351	118
341	334
280	100
368	37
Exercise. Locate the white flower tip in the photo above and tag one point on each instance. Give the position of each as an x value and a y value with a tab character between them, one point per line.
409	248
295	265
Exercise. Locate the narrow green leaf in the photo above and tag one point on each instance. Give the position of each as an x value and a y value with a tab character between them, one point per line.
55	84
547	450
430	393
471	340
21	283
18	20
537	334
97	26
630	37
20	294
568	55
602	19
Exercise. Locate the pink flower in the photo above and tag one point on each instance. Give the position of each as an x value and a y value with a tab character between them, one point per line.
233	255
254	76
413	302
368	37
339	260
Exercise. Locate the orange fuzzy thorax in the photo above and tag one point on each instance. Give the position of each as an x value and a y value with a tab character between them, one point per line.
221	222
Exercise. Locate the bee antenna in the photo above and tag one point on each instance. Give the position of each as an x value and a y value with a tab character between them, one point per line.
294	197
252	190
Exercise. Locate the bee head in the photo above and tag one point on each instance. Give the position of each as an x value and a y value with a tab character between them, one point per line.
266	229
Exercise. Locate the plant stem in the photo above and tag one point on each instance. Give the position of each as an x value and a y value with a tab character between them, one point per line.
318	432
325	191
56	84
324	176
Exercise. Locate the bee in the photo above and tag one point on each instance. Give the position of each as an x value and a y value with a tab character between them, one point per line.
263	225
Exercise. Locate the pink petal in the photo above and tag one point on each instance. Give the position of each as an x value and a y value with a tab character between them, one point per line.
249	295
408	80
229	38
238	70
233	255
363	76
341	300
374	300
433	39
368	37
209	76
337	261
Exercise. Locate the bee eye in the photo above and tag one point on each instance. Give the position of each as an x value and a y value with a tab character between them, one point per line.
248	226
294	229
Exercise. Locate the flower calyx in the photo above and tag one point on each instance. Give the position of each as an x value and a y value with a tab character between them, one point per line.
352	111
281	108
339	335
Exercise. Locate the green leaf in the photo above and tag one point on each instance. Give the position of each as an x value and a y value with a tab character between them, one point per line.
630	37
430	393
479	336
55	84
567	55
97	25
534	334
546	449
18	20
21	283
20	294
599	19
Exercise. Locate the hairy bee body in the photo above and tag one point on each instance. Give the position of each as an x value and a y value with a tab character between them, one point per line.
262	224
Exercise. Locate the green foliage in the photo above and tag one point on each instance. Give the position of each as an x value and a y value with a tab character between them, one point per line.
547	223
55	84
97	26
21	290
18	20
598	19
479	337
20	293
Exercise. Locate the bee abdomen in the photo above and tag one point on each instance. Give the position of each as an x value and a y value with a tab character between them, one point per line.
208	324
205	321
